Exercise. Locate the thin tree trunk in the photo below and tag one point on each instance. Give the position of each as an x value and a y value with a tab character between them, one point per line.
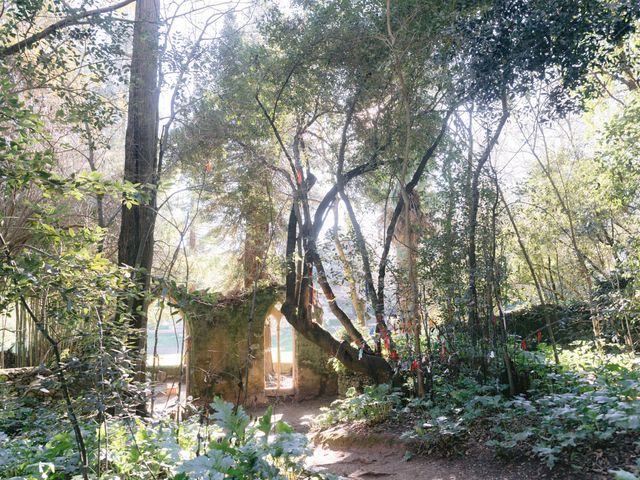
473	318
532	271
581	257
71	415
505	350
495	281
448	244
357	302
92	165
381	326
553	282
414	296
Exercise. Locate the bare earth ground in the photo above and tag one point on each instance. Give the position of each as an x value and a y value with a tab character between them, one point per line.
165	397
382	456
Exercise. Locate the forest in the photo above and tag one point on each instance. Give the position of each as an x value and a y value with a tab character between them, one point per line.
319	239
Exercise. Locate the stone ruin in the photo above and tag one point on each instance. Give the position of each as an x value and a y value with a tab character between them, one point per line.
281	361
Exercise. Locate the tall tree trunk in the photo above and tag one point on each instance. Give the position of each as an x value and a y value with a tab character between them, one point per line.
449	242
494	290
410	297
135	243
474	321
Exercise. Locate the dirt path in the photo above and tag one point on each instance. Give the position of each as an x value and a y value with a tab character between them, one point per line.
384	457
389	463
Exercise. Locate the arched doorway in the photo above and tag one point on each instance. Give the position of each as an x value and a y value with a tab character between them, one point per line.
167	356
279	354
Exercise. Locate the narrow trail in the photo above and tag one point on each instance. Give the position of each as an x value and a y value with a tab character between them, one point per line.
386	459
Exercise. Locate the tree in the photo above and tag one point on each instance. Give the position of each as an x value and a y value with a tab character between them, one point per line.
367	86
369	91
135	243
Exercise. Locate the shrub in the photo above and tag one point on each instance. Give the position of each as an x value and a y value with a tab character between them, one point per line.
227	445
373	406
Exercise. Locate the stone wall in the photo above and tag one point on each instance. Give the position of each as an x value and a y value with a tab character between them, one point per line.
314	376
217	346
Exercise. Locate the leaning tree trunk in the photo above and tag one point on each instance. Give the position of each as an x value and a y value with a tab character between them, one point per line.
296	311
303	231
135	243
532	271
356	301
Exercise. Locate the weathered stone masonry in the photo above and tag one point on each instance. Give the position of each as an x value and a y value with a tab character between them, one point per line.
217	346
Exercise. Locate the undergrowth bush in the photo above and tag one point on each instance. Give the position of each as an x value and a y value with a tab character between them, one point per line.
372	406
227	445
591	402
568	412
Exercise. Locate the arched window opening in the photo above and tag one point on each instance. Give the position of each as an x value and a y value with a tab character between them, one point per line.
279	354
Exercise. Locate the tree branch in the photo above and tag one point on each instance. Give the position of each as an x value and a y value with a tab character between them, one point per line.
59	25
398	210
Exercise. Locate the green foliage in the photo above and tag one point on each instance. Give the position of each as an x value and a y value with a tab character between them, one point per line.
564	415
618	158
443	434
590	402
571	322
584	415
56	275
73	63
231	446
374	405
517	43
623	475
309	66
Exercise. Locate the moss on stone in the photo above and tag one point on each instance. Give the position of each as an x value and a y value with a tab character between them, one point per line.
217	346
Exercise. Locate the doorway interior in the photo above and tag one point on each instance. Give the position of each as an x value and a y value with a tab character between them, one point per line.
279	354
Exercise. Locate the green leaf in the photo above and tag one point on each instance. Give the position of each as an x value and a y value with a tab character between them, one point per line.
234	423
264	422
283	427
623	475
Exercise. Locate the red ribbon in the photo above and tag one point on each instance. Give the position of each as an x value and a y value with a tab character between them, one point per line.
443	352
